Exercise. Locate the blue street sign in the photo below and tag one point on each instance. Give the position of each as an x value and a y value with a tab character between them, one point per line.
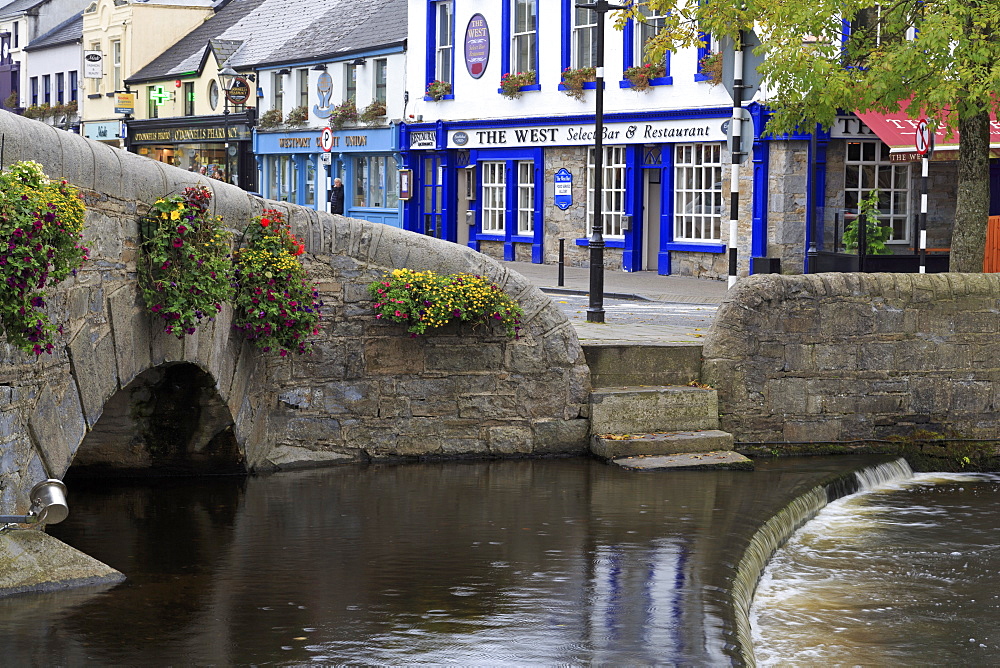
563	189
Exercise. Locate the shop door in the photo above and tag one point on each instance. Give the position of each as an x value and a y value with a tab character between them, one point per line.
651	219
432	204
995	187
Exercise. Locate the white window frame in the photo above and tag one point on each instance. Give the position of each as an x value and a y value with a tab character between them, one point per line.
493	195
582	31
874	169
278	92
698	194
522	57
444	48
525	196
116	64
644	31
380	81
303	87
613	195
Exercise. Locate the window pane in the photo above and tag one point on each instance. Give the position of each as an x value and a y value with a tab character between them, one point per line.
698	193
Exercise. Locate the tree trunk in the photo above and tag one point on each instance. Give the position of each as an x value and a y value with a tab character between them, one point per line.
968	237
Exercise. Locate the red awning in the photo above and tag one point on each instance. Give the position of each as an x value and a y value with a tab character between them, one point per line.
898	130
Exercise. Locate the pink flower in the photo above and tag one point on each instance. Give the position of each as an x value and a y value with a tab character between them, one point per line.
178	243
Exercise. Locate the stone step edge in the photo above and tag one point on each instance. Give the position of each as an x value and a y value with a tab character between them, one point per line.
713	460
611	446
621	389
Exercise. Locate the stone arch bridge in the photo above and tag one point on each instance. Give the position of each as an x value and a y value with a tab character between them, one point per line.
119	392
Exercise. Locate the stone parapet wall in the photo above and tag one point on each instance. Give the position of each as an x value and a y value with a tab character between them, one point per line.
369	390
840	357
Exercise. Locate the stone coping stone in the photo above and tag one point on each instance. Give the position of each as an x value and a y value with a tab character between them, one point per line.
33	561
616	446
714	460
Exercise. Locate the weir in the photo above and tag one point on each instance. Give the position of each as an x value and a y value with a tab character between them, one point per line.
786	522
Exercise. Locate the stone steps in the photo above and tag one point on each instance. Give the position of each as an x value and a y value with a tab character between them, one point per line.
647	411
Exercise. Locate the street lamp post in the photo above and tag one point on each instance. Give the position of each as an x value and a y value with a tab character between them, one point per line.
595	311
227	77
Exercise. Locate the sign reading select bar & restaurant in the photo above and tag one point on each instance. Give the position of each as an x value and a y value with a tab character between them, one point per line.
644	132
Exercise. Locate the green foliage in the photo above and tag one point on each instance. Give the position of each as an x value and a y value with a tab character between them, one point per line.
438	89
270	119
876	234
423	300
298	116
184	269
343	113
937	58
371	114
510	84
276	306
574	78
40	232
640	75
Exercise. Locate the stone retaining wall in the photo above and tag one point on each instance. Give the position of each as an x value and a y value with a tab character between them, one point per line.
838	357
369	390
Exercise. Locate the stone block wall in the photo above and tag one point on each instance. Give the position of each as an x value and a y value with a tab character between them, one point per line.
840	357
369	391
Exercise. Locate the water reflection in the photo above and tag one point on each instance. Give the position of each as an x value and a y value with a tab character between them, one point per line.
506	563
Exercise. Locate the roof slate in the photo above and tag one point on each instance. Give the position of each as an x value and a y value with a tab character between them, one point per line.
283	31
67	32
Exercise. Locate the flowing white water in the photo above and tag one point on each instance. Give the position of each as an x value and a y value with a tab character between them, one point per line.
903	572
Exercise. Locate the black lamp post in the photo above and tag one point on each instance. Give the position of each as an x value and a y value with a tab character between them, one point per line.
595	311
227	78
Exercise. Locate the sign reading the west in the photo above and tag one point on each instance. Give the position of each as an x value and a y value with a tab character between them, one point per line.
681	130
477	46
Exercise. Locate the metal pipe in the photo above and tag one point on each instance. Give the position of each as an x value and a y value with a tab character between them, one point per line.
562	262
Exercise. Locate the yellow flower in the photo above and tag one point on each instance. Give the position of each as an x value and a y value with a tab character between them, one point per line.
175	215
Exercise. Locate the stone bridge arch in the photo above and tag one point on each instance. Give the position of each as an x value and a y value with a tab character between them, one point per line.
370	391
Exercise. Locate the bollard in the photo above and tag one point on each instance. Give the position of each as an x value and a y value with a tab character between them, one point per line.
562	262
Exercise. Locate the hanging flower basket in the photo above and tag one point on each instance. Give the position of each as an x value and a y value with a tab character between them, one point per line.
574	78
639	76
511	84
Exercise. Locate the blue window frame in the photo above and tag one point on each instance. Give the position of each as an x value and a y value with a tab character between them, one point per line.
519	173
635	37
520	39
703	50
568	35
440	59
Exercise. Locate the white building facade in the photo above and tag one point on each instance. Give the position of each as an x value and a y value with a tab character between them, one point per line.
511	176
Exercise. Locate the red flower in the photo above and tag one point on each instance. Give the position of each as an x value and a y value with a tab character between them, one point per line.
178	243
264	222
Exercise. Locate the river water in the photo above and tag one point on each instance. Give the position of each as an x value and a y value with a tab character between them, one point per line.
905	574
505	563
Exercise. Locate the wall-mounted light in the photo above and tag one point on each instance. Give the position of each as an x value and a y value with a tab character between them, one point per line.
358	61
48	505
319	68
282	72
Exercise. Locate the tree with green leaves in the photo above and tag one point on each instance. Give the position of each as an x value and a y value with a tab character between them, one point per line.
824	57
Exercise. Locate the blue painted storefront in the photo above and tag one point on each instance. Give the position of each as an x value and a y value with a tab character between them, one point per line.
430	151
366	159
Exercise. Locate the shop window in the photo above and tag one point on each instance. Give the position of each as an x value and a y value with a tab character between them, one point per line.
350	82
584	38
493	200
381	79
441	42
375	182
46	89
613	191
283	182
525	197
116	64
698	192
33	87
60	88
74	85
866	168
523	36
